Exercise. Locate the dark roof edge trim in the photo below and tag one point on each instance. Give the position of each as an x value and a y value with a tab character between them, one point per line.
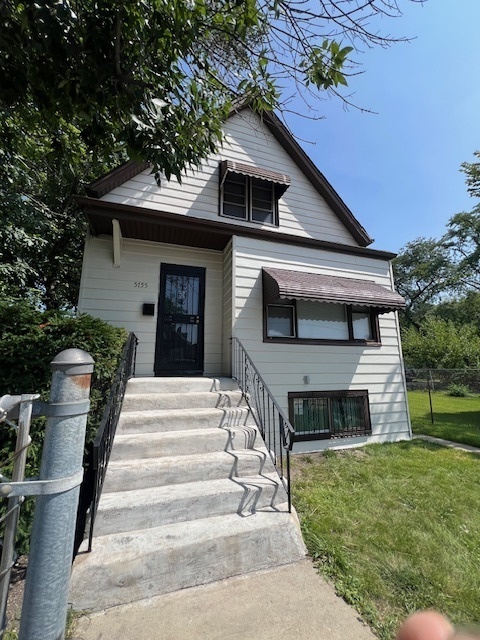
114	210
321	184
115	178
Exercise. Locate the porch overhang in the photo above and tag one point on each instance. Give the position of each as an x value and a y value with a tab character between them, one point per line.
283	284
143	223
152	225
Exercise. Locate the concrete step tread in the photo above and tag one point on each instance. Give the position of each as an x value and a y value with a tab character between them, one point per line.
139	564
166	413
175	492
211	459
160	436
153	420
188	394
113	547
126	475
181	384
187	400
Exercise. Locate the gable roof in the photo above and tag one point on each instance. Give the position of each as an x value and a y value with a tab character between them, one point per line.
118	176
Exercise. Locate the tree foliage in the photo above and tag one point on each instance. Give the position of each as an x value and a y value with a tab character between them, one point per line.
41	230
423	272
472	171
441	344
460	310
157	78
440	280
86	84
463	241
29	340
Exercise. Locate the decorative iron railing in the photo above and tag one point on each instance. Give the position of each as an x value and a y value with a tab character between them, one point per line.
277	432
103	443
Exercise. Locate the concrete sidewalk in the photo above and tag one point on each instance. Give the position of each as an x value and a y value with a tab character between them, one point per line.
447	443
289	603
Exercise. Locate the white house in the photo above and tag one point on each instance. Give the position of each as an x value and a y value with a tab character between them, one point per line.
255	244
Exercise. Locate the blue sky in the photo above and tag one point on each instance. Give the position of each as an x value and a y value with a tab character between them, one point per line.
398	171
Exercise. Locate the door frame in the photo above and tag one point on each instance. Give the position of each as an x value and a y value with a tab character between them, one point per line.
176	269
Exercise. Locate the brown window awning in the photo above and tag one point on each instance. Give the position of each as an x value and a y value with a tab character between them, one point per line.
280	179
280	284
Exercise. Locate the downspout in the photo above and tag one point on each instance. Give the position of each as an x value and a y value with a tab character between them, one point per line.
400	352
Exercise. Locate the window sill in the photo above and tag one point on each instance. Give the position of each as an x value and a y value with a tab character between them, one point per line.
273	225
344	343
328	436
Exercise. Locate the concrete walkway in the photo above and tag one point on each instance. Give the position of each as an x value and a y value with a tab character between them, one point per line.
448	443
288	603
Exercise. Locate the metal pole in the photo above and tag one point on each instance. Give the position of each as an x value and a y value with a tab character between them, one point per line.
14	503
45	601
430	387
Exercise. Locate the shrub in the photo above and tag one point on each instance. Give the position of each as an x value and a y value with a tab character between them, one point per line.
29	340
458	390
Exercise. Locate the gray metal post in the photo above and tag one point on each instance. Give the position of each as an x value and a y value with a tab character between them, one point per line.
45	601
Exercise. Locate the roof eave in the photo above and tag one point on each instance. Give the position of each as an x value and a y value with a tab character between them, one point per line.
316	177
115	210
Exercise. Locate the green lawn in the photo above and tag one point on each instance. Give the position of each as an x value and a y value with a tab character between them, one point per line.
396	527
456	419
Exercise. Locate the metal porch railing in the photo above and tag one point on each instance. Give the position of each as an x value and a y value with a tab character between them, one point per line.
103	443
277	432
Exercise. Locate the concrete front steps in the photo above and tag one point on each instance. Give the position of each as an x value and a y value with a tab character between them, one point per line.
191	496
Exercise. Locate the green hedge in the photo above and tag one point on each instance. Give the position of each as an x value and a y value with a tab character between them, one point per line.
29	340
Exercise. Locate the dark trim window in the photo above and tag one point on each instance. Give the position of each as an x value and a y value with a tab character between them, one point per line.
281	321
317	415
247	198
321	322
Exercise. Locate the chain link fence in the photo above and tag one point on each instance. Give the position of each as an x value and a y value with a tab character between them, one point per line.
450	382
443	380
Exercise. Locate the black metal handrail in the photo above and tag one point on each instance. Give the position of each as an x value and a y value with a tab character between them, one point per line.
275	429
103	443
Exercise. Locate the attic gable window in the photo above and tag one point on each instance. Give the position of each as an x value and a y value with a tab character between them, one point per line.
250	193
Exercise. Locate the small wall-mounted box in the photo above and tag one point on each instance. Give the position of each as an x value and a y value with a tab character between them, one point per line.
148	309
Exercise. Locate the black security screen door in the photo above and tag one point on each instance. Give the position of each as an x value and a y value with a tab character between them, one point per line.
180	328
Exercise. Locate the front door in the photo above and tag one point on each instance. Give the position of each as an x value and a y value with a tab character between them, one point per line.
180	326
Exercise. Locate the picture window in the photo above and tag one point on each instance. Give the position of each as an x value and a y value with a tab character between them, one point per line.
321	322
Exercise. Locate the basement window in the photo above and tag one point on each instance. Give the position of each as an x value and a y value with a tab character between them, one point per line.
319	415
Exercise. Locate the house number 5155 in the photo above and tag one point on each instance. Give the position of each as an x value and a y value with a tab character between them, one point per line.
140	285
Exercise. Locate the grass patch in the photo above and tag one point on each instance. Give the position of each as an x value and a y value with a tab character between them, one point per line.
396	527
72	617
456	419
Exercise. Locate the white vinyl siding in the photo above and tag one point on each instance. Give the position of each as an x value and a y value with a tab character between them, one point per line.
117	294
302	211
227	308
378	369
